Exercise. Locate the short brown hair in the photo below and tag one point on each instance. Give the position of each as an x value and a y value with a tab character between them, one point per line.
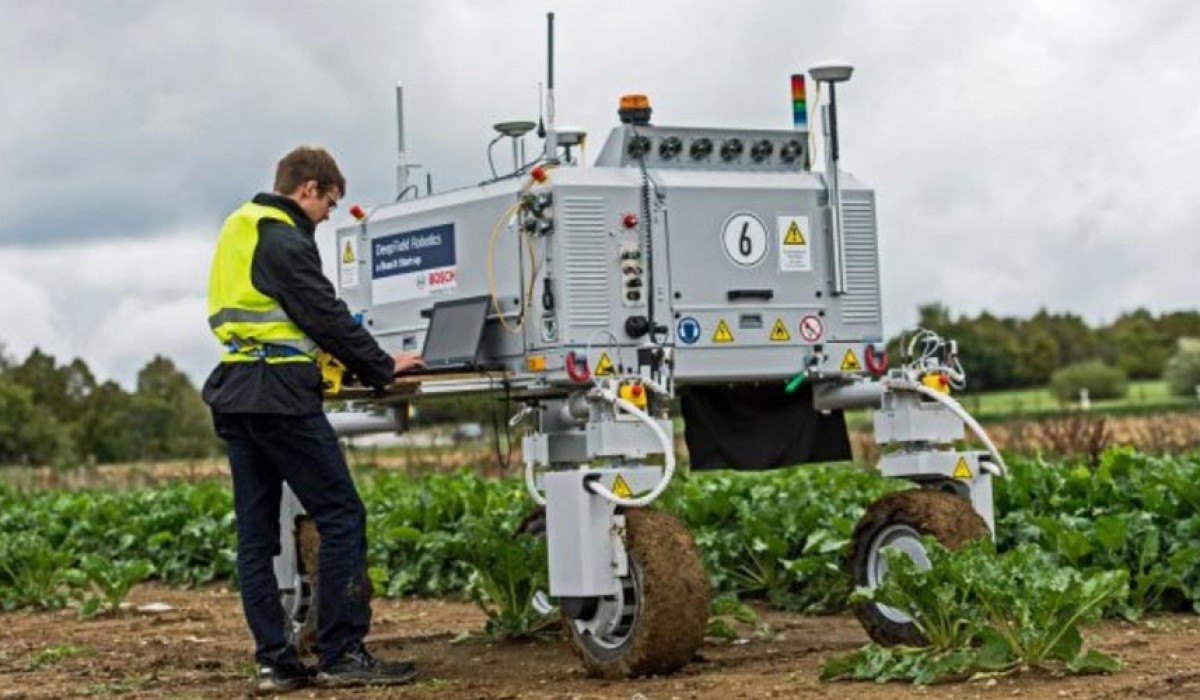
308	163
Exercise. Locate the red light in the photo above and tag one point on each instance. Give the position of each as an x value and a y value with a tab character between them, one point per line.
357	212
635	390
538	174
629	220
944	380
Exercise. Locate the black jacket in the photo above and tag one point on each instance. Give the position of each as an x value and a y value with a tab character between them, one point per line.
287	268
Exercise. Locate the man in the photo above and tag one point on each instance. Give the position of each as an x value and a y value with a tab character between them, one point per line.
271	306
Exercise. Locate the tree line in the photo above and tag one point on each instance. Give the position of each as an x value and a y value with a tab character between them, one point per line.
59	414
1013	353
52	413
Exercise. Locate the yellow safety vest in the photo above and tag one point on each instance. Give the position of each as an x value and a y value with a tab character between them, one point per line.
251	325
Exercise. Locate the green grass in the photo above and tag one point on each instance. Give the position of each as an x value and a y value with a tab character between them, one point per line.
1144	393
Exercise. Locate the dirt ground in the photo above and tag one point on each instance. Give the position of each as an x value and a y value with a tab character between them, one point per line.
200	648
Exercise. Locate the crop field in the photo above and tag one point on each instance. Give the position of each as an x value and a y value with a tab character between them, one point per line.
1098	571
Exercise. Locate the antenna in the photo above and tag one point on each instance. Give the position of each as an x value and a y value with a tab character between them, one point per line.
551	135
834	72
541	130
402	165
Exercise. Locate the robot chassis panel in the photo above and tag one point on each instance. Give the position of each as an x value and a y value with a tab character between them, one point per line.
683	256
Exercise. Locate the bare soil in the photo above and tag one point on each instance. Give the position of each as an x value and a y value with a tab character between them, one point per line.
201	649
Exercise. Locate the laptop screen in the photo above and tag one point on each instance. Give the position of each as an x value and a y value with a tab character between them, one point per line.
455	331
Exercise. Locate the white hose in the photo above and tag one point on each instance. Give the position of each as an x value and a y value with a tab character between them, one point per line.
668	452
531	485
956	407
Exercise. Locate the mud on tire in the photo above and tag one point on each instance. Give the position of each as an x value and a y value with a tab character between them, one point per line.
303	632
673	598
947	516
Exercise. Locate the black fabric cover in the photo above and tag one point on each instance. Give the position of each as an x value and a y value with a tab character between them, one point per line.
757	427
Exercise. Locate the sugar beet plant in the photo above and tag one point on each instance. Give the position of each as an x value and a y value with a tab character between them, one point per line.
1131	512
779	536
985	613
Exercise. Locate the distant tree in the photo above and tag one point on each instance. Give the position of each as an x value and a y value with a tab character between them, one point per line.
1178	325
1134	344
1183	369
935	316
29	434
106	430
1075	340
1037	356
170	417
988	347
61	390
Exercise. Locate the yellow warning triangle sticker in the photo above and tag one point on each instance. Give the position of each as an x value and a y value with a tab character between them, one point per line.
604	367
722	334
780	331
962	470
348	255
621	488
850	362
793	236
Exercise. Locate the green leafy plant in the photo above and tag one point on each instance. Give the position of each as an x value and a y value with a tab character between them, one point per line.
33	573
102	584
985	613
51	655
727	611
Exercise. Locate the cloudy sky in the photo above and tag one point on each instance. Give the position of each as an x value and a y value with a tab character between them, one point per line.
1025	154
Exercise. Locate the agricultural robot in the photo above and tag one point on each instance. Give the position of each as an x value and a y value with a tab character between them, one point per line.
682	259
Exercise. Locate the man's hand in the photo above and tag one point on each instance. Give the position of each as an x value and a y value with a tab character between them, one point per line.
406	361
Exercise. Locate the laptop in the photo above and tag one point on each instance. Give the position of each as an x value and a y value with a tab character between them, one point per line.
454	336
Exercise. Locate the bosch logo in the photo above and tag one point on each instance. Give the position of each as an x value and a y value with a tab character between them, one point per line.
438	277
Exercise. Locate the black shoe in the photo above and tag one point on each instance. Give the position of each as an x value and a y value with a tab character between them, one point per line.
282	676
356	667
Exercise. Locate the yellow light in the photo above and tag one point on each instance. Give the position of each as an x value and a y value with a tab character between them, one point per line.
635	102
535	363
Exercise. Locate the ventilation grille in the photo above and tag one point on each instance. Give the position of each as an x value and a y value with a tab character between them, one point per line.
861	301
587	267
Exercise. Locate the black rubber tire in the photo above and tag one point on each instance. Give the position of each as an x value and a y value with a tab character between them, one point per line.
947	516
308	545
674	596
303	633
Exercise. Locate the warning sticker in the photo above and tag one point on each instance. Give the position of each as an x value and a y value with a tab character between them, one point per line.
722	334
811	329
850	362
780	333
348	272
962	470
604	367
795	255
621	487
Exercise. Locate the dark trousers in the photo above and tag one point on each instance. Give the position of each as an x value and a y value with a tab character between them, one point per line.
266	450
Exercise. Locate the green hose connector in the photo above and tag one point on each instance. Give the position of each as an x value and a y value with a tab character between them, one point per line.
795	382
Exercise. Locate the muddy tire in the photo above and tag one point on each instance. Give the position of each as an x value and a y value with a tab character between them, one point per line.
900	519
664	604
302	627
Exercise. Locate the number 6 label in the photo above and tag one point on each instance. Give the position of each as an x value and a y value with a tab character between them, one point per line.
745	239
